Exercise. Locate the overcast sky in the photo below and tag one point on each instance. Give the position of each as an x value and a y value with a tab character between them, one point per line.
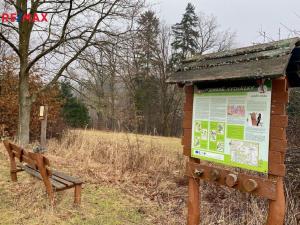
245	17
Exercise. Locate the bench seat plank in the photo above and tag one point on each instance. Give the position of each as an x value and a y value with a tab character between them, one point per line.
36	174
67	177
66	182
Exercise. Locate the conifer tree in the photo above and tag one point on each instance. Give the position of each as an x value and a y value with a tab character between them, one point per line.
185	35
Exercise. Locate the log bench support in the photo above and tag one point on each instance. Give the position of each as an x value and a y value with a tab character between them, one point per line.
38	166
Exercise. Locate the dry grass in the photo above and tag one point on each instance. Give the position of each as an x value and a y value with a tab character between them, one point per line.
130	179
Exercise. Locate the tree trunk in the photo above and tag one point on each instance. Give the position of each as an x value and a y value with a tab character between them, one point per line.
25	99
24	110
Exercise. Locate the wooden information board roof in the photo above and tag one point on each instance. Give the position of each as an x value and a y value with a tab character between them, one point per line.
270	60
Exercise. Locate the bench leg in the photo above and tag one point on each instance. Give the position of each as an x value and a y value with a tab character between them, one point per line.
13	175
77	193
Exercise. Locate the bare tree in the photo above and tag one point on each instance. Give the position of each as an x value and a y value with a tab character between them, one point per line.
210	37
170	99
72	26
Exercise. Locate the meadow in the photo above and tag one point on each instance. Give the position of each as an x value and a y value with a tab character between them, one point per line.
129	179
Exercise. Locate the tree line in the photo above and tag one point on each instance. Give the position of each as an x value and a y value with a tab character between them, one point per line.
116	56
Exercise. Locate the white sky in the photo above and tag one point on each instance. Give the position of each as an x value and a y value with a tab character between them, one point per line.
245	17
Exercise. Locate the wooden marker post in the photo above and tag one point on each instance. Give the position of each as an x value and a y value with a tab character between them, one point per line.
43	117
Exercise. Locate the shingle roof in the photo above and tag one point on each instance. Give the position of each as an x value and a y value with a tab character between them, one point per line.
268	60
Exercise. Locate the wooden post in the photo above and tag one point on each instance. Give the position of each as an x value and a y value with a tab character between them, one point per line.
77	193
194	199
277	207
43	117
276	156
13	165
193	189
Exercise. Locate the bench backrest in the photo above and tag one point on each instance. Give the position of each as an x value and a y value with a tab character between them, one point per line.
35	160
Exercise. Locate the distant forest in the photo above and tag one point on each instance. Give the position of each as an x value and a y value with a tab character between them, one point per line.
109	77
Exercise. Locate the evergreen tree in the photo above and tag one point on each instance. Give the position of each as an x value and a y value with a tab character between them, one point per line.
74	112
146	87
147	41
185	35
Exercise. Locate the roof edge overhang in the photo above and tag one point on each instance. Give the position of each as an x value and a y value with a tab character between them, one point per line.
264	61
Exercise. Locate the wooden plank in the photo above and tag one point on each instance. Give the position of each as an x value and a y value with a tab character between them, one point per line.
188	106
275	157
278	145
278	133
280	99
36	174
277	169
187	137
63	181
280	95
265	187
278	109
189	100
189	90
17	151
187	120
279	85
67	177
279	121
187	151
28	160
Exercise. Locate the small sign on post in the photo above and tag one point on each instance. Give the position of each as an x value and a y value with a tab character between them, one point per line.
43	117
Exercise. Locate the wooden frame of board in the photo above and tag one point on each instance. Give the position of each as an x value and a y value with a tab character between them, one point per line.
271	188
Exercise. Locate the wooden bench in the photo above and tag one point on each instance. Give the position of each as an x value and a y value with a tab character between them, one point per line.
38	166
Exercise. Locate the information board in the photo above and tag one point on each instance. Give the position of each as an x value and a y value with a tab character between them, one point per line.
231	126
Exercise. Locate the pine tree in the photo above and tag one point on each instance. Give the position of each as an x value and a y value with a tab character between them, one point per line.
185	35
146	89
147	41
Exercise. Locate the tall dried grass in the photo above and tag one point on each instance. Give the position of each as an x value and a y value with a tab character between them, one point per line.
151	169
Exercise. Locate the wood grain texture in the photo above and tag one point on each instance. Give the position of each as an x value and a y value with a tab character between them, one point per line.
279	121
276	157
278	109
277	169
277	133
277	207
278	145
193	199
187	120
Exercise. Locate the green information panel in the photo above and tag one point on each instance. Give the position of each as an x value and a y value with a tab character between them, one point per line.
231	126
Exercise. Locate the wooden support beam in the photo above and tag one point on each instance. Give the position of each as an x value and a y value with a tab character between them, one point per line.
265	187
279	121
277	207
193	199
